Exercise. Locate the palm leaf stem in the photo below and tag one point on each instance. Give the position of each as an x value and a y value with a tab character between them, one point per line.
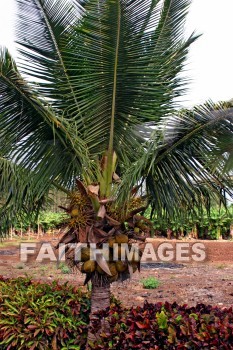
111	137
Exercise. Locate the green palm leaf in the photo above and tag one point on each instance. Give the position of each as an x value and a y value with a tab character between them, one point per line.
33	135
42	34
105	75
177	165
18	193
126	57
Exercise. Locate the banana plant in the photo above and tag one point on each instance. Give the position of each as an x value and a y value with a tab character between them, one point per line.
210	225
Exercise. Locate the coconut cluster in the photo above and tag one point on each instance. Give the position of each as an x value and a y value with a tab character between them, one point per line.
107	225
119	268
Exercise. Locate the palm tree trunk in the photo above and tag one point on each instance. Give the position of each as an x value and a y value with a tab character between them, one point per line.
100	299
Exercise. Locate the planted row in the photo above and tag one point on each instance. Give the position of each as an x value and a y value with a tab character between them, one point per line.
167	326
37	316
216	224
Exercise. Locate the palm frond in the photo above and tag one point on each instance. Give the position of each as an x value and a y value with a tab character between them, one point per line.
177	162
105	73
42	33
18	193
31	133
123	61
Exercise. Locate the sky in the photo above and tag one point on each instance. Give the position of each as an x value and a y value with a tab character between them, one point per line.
210	62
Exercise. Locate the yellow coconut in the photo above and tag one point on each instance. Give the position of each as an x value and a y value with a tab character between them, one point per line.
121	252
74	212
89	266
111	241
121	238
121	266
85	254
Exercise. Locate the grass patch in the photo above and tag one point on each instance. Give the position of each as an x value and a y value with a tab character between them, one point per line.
64	268
150	283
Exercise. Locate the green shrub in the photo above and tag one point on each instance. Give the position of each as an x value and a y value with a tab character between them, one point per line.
50	220
41	316
150	283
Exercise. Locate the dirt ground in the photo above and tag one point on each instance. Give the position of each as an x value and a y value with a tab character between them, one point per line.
209	281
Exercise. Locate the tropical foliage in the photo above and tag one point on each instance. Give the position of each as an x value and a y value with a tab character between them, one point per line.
92	102
32	316
167	326
45	221
93	76
55	317
208	225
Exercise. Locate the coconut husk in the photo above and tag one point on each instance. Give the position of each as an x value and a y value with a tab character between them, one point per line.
101	212
69	237
82	235
112	268
101	261
93	189
112	221
81	188
88	278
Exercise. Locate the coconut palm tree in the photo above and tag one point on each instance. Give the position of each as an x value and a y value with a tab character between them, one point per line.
92	108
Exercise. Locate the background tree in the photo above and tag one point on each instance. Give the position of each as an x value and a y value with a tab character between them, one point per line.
93	99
